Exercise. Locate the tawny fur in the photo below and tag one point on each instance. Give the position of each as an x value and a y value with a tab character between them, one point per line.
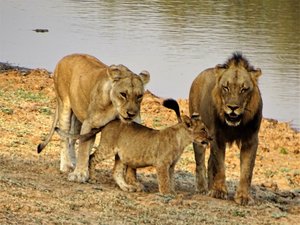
228	99
89	95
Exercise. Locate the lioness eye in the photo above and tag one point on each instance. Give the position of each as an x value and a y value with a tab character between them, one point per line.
225	89
123	94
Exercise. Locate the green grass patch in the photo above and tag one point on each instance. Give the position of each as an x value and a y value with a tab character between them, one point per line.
283	151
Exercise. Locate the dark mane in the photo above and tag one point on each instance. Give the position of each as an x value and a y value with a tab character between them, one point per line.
237	59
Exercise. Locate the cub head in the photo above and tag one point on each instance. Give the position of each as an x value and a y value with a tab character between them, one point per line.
236	94
197	129
127	91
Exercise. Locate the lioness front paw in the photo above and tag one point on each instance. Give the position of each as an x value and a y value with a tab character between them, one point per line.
79	176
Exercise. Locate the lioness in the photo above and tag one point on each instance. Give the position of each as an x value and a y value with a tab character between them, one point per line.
136	146
90	94
228	99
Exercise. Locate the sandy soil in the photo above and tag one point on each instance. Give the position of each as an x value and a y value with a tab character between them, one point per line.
33	191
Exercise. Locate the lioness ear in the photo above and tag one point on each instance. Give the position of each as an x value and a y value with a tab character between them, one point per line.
145	76
113	73
187	121
256	73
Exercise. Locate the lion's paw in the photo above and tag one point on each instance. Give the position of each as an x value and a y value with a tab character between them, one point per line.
80	177
242	198
201	190
221	194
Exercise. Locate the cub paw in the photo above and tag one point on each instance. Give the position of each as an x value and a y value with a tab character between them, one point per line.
128	188
79	176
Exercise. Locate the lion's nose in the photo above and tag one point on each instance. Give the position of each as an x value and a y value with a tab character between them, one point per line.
232	107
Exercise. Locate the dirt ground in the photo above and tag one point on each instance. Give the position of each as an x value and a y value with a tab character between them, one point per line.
33	191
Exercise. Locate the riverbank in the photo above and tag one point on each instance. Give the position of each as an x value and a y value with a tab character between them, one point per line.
33	191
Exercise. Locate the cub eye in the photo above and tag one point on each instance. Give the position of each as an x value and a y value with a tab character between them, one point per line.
225	88
123	94
139	97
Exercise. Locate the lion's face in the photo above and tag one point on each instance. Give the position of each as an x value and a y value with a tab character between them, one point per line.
127	91
235	86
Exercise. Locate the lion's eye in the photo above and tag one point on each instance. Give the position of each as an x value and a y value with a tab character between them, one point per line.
243	90
123	94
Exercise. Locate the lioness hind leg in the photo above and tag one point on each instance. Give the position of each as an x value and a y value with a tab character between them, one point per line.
131	179
201	180
74	130
119	173
64	121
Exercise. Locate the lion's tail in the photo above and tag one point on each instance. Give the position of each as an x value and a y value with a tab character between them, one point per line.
42	145
172	104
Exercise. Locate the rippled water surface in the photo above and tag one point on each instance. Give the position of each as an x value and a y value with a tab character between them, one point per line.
174	40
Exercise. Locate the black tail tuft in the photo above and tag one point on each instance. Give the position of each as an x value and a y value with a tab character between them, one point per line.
172	104
40	148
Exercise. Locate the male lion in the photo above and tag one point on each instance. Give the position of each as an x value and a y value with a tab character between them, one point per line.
228	99
89	95
136	146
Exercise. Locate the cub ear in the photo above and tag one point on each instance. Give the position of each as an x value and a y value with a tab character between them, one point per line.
114	73
145	76
196	116
187	121
255	74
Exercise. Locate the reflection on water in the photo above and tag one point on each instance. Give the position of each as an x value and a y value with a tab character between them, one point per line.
174	40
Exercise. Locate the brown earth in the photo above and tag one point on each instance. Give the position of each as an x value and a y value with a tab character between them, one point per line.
33	191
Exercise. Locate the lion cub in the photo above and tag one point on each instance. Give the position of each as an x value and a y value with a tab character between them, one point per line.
136	146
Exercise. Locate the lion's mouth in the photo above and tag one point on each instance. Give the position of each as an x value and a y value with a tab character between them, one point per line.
233	119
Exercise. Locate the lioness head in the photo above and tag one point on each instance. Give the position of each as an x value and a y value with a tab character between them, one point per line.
236	92
127	91
197	129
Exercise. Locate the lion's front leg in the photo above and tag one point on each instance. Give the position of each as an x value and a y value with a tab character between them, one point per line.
201	180
81	172
247	161
216	171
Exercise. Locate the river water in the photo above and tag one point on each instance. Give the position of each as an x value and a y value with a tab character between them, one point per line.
173	39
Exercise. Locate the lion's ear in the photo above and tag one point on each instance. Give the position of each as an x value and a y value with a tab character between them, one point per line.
114	73
219	69
145	76
255	74
187	121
